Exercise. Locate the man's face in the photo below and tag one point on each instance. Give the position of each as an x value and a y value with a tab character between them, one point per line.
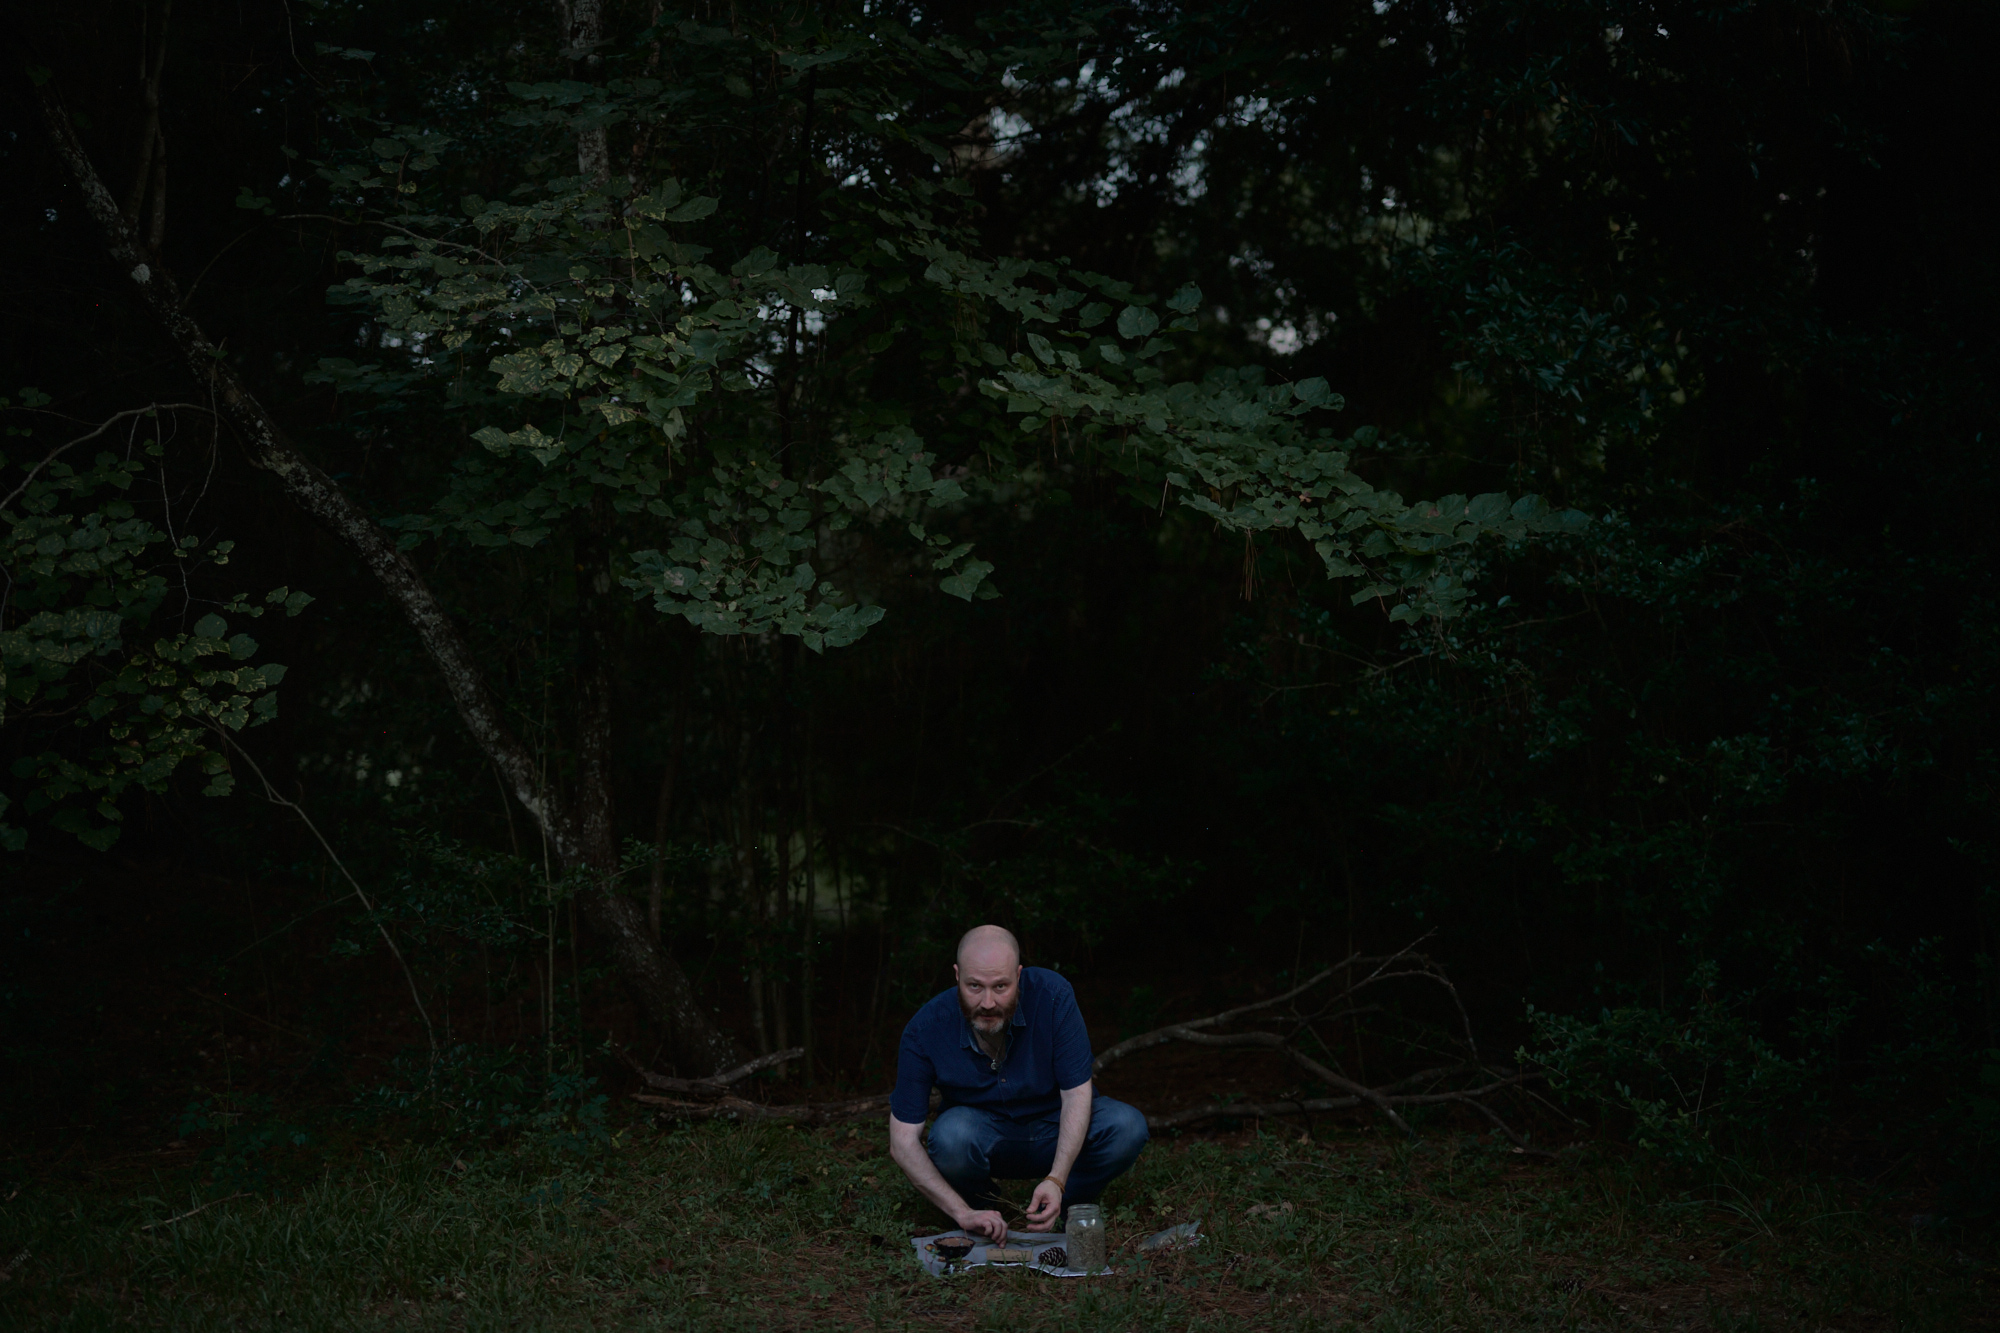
989	990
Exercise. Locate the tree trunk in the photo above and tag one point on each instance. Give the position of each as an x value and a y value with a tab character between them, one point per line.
149	133
663	810
583	39
809	928
661	987
780	992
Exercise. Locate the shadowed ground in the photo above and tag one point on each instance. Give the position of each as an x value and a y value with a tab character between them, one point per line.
722	1227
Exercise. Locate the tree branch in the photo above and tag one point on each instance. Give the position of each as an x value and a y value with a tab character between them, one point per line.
715	1085
1161	1035
732	1107
1249	1111
111	421
1404	963
661	986
271	795
318	493
1346	1084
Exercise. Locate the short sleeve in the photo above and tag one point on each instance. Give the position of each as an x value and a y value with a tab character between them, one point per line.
915	1075
1072	1056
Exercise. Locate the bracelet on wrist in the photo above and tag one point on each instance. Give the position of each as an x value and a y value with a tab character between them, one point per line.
1061	1185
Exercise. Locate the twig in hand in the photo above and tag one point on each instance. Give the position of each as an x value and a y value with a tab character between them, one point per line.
169	1221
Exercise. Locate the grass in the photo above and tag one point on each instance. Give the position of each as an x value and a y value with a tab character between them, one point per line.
723	1227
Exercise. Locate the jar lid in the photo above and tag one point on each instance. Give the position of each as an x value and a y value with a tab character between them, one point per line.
1083	1210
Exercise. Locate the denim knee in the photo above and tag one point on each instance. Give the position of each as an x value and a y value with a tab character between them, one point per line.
1122	1131
957	1144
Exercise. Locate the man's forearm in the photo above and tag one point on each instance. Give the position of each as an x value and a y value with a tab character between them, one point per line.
1071	1127
906	1149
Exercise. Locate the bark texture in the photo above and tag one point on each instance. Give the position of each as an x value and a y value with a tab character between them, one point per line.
583	36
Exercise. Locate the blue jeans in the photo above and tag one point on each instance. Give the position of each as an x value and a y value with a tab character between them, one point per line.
970	1146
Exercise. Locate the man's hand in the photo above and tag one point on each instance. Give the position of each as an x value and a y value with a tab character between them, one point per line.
1045	1207
906	1147
1072	1126
986	1224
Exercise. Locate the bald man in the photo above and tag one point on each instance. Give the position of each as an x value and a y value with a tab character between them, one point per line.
1007	1049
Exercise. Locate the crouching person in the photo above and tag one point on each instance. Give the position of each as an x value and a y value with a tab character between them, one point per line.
1008	1052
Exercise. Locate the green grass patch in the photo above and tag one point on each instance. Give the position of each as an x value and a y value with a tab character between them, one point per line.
723	1227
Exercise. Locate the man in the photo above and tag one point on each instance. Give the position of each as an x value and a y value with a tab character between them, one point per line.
1008	1051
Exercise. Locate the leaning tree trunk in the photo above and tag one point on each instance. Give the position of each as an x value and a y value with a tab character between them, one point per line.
661	987
615	918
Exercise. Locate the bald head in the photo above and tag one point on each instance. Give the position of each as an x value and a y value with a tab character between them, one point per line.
987	948
989	982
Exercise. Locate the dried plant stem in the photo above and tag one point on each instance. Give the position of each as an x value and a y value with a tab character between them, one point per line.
169	1221
272	795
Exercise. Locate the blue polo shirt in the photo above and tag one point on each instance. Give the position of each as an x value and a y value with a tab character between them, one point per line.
1047	1051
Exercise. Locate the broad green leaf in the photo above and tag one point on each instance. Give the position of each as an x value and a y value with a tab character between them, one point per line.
1136	321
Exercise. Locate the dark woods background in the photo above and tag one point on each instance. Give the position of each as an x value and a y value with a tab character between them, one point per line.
1697	806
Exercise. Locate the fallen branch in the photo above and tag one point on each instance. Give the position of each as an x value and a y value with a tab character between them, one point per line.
1194	1115
732	1107
719	1103
711	1099
1249	1111
715	1085
762	1062
728	1106
1385	1100
1369	1095
1166	1034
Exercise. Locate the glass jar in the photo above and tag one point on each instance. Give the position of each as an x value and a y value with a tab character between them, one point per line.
1084	1237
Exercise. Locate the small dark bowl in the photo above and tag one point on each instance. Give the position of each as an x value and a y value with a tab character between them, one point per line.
951	1251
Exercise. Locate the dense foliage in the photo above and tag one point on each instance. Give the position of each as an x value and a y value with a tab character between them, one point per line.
749	331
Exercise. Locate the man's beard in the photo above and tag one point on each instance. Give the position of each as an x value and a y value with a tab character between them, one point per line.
994	1043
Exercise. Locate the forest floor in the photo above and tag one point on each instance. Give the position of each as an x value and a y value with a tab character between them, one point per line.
570	1222
723	1227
